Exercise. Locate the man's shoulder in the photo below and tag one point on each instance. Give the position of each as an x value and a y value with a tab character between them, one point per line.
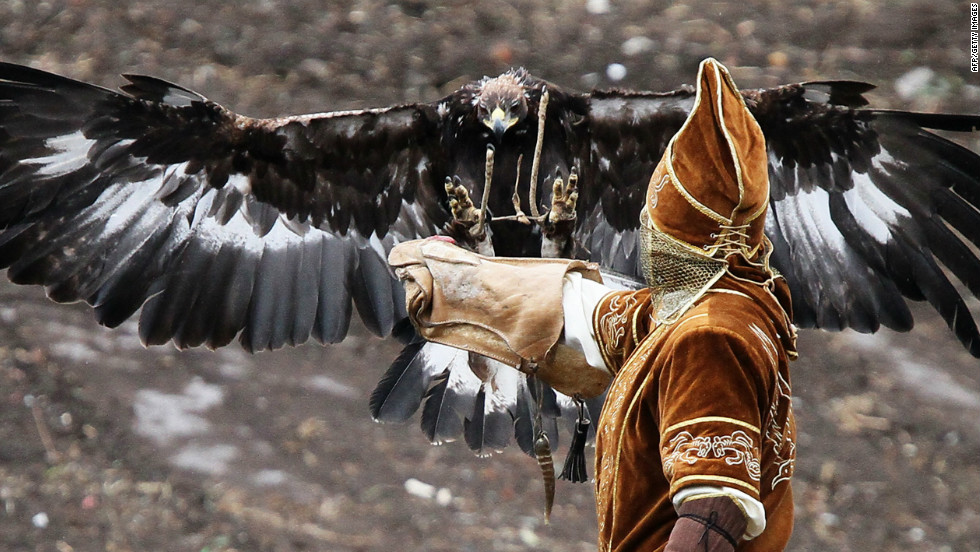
725	310
726	321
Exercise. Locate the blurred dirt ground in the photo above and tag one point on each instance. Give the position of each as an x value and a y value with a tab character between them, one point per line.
107	446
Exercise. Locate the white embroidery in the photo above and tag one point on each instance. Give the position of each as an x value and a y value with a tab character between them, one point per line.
735	449
654	191
767	345
781	436
612	325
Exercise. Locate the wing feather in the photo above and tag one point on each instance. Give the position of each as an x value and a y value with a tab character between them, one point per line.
399	392
453	396
628	132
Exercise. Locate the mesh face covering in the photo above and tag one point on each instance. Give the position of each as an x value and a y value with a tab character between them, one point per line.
677	274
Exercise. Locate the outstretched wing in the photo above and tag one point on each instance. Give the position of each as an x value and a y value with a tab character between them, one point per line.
223	225
869	208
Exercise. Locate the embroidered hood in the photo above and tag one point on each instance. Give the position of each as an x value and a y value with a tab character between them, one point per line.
707	199
710	190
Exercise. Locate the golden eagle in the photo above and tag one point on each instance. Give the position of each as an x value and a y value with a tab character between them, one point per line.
220	226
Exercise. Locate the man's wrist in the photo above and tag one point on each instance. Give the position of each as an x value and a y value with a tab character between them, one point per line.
713	524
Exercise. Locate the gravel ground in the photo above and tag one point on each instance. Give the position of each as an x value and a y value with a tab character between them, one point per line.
107	446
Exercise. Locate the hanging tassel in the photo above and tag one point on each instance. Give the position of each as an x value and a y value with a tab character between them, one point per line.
574	469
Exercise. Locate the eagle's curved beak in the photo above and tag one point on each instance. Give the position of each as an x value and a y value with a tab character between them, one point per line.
499	122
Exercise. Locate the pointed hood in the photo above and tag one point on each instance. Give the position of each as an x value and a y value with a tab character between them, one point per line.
710	190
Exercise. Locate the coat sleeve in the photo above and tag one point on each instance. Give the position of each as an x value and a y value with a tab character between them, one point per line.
712	392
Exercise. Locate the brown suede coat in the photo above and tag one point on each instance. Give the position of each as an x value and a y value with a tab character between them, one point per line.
702	401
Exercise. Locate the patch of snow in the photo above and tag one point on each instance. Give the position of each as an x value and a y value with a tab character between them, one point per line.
164	416
209	459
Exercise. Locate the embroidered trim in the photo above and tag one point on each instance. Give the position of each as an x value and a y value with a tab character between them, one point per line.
721	79
729	481
655	189
610	326
767	344
711	419
642	353
781	436
731	291
736	448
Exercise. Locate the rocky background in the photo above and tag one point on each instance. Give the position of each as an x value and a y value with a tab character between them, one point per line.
107	446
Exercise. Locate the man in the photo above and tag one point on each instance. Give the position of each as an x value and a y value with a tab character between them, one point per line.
702	355
695	445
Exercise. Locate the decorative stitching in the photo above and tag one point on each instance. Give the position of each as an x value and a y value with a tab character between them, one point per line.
611	327
781	436
711	419
642	354
728	481
736	448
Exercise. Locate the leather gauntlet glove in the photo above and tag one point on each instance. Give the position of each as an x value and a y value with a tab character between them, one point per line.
508	309
713	524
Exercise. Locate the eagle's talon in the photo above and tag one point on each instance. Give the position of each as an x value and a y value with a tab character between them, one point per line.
460	204
557	225
564	199
467	225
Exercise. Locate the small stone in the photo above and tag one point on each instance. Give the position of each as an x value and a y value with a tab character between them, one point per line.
637	45
916	534
914	82
590	80
745	28
597	7
910	450
190	27
89	431
444	497
40	520
502	53
616	72
357	16
828	519
778	59
529	537
417	488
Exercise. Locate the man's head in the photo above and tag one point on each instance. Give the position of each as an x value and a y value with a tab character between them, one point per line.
707	198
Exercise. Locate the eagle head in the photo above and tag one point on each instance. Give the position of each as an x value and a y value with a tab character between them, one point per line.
501	102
